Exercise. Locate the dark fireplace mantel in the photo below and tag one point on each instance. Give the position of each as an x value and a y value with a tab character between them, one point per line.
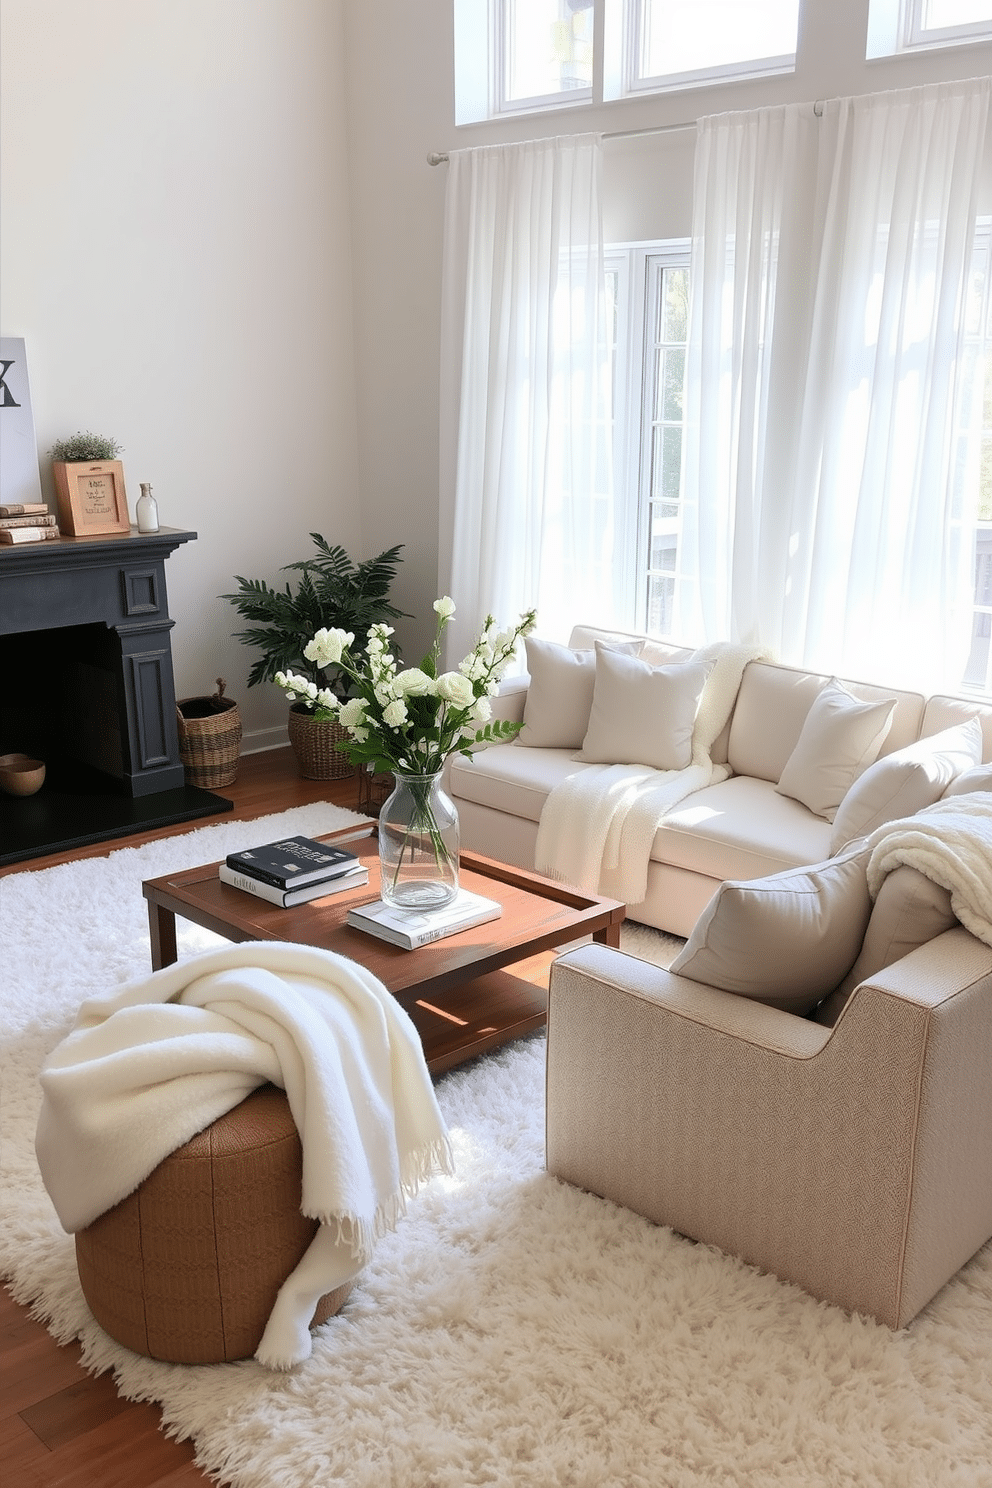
87	686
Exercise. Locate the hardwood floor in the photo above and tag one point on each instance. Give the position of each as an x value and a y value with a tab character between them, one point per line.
58	1424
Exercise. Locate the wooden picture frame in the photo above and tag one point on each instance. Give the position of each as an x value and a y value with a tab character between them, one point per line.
91	497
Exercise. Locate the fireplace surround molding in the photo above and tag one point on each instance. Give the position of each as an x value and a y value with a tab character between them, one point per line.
116	585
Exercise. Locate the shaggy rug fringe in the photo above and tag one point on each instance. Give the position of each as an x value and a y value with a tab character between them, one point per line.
513	1330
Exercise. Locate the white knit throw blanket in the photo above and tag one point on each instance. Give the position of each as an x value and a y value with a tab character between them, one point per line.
603	819
147	1067
951	844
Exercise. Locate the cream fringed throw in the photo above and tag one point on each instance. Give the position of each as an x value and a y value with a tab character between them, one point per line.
603	819
951	844
147	1067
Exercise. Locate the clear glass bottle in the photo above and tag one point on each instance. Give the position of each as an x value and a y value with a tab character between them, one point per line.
146	510
418	844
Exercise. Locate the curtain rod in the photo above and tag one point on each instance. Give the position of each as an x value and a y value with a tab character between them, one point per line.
440	157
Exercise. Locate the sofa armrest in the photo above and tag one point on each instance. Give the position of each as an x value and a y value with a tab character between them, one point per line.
831	1157
509	702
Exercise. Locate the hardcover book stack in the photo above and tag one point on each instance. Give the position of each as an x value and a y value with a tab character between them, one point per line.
27	522
293	871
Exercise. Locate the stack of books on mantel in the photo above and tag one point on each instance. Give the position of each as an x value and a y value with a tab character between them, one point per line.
293	871
27	522
411	928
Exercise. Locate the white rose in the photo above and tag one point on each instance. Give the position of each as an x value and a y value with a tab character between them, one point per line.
483	711
413	683
445	606
352	713
455	688
395	713
327	646
326	698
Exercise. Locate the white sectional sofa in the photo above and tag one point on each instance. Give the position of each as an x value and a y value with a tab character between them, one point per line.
743	827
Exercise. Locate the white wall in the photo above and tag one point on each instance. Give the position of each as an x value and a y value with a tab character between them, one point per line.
221	240
176	253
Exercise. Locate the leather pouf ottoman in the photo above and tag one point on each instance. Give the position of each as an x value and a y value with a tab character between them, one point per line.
187	1268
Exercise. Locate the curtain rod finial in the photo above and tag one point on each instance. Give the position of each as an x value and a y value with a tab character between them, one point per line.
436	157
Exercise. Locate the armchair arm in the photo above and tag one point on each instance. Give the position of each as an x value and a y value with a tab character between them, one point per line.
819	1154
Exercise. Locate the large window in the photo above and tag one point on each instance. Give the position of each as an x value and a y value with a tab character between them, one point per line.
649	289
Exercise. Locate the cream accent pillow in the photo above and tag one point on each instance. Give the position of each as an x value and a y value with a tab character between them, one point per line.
643	715
978	779
786	940
909	911
559	697
840	738
902	783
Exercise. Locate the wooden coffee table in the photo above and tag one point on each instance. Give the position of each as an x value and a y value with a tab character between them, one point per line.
456	990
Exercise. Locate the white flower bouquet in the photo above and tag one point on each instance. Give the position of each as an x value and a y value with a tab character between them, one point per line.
409	721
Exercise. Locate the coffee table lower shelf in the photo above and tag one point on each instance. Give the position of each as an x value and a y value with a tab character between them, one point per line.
478	1016
467	993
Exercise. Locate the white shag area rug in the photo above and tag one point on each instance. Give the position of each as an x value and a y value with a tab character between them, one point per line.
512	1331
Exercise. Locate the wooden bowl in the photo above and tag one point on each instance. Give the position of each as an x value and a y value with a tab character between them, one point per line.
20	775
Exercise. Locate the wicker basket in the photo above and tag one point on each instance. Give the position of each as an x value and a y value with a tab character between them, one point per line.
313	741
209	738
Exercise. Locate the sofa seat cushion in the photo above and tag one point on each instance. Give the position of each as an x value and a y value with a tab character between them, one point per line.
512	777
741	828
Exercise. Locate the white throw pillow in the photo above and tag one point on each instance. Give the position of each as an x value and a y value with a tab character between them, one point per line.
841	737
643	715
902	783
786	940
978	779
559	697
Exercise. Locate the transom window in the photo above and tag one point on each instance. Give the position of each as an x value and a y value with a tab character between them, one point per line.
896	26
513	56
672	43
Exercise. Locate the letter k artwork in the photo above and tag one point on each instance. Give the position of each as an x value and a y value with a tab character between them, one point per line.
7	399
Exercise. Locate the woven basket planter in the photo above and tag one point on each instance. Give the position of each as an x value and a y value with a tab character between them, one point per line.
313	741
209	738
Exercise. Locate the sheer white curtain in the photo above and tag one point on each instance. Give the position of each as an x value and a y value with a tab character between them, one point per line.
832	399
526	501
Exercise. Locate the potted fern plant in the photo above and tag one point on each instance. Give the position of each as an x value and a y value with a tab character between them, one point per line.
332	592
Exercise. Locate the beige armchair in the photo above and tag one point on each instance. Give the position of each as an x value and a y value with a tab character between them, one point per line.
853	1160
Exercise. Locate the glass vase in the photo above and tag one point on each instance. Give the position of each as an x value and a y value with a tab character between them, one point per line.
418	844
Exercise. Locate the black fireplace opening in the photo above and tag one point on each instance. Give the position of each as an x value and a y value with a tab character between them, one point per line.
63	701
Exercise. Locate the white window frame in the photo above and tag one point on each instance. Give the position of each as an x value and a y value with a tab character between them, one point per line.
499	13
479	54
897	26
640	269
635	396
623	79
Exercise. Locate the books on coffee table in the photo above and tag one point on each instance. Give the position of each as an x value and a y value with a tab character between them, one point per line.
412	928
352	878
293	861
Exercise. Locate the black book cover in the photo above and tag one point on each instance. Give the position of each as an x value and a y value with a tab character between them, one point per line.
293	861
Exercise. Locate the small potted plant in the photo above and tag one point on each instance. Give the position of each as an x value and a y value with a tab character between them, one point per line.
89	484
333	592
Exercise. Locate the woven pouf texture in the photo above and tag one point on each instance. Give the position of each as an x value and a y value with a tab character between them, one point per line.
187	1268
